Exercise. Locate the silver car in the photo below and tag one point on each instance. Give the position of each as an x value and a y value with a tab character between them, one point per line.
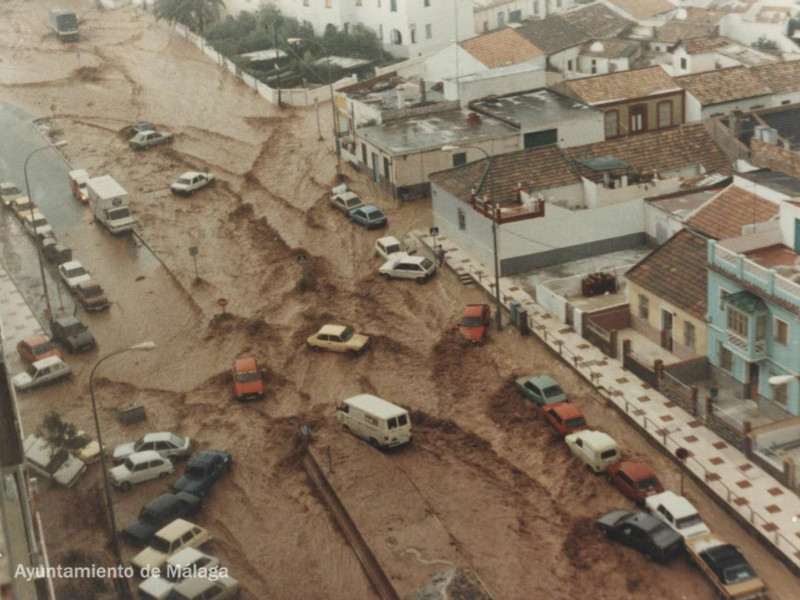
168	445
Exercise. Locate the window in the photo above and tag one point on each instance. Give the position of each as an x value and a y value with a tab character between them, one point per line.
725	357
594	66
364	153
569	65
485	26
305	2
428	31
638	118
780	393
459	158
427	3
683	64
558	3
501	19
413	32
386	168
328	3
392	5
664	114
612	124
780	331
462	219
536	7
722	293
737	322
688	335
380	32
644	307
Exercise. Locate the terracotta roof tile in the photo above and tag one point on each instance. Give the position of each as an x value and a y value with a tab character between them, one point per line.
637	83
676	272
781	77
609	48
659	151
705	43
723	85
644	9
503	47
725	215
597	20
553	34
675	31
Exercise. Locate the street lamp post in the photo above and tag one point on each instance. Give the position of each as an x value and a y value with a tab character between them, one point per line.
293	41
486	171
121	583
33	221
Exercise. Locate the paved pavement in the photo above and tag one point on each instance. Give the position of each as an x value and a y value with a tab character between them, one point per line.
772	509
18	321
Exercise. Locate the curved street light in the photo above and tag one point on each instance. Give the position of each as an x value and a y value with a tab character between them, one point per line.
121	583
498	304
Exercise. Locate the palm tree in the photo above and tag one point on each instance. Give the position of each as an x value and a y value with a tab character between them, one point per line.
195	14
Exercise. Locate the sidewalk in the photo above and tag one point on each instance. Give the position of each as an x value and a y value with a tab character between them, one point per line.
771	509
17	321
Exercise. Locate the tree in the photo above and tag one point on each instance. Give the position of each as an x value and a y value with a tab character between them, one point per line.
763	43
62	439
195	14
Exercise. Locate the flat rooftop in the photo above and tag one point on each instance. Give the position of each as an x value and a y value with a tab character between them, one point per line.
433	130
383	92
685	204
784	260
775	180
534	108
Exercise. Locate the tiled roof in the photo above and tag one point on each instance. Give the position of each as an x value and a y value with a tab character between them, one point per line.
535	168
676	272
675	31
503	47
658	151
623	85
613	48
704	43
725	215
553	34
781	77
643	9
597	20
723	85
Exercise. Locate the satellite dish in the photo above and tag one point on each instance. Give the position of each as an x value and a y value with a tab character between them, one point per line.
597	47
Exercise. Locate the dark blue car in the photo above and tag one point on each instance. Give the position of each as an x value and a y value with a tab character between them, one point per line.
368	216
203	471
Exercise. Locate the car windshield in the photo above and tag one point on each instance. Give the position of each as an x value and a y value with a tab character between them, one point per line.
138	444
159	544
24	206
471	322
40	222
74	329
128	464
31	371
76	272
738	573
195	472
374	215
575	423
42	348
426	263
391	249
8	191
119	213
689	521
149	517
247	377
661	533
647	483
608	454
352	203
91	292
346	334
552	391
183	181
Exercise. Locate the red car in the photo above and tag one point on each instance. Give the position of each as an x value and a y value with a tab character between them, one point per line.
475	322
38	347
565	417
248	384
634	479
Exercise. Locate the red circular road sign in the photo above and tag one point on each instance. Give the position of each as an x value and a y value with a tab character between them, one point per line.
222	302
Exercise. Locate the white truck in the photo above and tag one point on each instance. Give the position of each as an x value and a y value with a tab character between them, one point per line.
108	202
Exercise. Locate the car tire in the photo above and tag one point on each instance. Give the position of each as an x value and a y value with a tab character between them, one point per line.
374	443
421	280
162	474
352	353
386	276
125	486
315	348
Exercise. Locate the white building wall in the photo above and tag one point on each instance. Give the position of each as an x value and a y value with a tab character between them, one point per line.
561	60
443	64
745	105
467	90
489	18
601	65
789	215
733	26
587	129
659	224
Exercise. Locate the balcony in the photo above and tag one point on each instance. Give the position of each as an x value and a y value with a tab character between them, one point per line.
752	352
509	213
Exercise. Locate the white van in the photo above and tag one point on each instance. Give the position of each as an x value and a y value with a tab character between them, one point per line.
377	421
677	512
595	448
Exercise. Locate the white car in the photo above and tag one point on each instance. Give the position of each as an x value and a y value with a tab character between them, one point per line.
168	445
9	192
37	226
189	562
418	268
344	200
188	183
677	512
140	467
207	588
389	248
168	541
61	466
42	372
73	273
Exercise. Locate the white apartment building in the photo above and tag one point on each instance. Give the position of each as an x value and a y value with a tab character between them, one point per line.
407	28
494	14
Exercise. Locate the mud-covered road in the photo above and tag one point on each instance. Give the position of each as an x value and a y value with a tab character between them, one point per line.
486	493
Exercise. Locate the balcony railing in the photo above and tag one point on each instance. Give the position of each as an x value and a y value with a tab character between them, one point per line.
754	352
510	213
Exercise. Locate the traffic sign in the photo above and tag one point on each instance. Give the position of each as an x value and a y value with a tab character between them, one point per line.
434	231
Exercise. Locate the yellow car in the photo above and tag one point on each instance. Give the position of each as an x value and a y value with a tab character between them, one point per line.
338	338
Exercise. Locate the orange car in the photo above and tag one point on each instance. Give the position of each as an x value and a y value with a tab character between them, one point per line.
38	347
248	384
475	321
565	417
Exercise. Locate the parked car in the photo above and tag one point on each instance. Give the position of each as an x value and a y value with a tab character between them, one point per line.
597	450
73	273
368	216
36	348
207	588
642	532
677	512
564	417
159	512
338	338
344	200
634	479
72	334
60	466
89	450
475	322
77	181
168	445
139	127
390	247
42	372
147	139
726	568
248	382
140	467
189	562
169	540
37	226
381	423
9	192
22	207
91	296
203	471
191	181
418	268
541	389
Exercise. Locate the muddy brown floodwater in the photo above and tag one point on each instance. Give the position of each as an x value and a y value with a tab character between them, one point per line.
486	499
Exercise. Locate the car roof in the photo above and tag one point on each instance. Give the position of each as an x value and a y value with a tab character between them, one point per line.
388	240
79	174
204	457
542	380
144	456
161	501
410	259
35	340
186	556
8	185
644	520
635	470
474	310
175	529
566	410
348	195
48	362
87	284
243	365
191	586
190	174
674	503
370	208
725	555
67	321
71	264
375	406
158	436
597	439
332	329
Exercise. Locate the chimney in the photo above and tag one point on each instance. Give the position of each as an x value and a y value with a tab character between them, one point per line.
422	91
735	120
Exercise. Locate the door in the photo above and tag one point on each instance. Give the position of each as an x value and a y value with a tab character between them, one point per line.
755	372
376	168
666	329
535	139
638	122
